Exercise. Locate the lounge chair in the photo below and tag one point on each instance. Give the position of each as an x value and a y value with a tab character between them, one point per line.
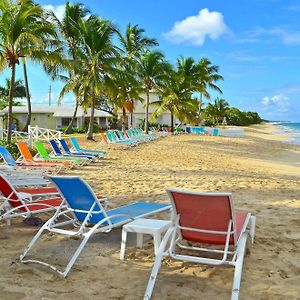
23	178
78	149
209	221
88	216
58	153
45	155
11	163
27	157
68	151
113	139
21	204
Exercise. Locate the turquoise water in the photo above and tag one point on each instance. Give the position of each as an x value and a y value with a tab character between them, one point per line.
292	129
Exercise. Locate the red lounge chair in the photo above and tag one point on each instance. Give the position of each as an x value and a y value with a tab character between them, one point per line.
19	203
209	221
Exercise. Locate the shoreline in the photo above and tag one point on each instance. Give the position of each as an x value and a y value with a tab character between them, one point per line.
260	170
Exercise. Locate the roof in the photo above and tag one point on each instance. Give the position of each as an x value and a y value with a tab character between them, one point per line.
34	109
57	111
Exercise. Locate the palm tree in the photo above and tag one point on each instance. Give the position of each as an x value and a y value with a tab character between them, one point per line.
218	110
176	91
123	88
132	44
19	92
207	76
24	31
74	13
151	68
98	56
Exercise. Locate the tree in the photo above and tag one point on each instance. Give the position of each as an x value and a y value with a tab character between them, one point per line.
122	89
218	110
132	44
74	14
206	78
98	57
24	31
151	68
19	92
175	91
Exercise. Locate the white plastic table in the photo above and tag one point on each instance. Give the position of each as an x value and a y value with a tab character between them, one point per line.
144	226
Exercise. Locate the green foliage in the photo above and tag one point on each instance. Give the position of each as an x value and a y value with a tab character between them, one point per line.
239	118
12	148
159	126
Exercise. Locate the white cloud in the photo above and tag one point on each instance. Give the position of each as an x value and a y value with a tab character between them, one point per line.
283	34
59	10
194	29
279	102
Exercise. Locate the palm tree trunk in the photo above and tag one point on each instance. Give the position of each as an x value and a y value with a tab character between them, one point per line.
123	119
147	112
131	119
172	121
10	103
28	120
91	124
70	125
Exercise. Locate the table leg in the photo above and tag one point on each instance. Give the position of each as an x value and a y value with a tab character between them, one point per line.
123	243
139	240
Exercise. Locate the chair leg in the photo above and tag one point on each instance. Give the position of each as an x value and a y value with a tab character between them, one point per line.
33	241
157	263
252	227
75	255
239	267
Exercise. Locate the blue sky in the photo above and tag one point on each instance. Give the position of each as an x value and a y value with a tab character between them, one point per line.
256	44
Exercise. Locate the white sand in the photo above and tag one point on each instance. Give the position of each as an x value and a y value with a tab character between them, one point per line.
263	175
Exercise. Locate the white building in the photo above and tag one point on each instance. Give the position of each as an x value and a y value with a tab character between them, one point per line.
54	117
139	112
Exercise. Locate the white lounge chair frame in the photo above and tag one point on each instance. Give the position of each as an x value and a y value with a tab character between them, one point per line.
80	229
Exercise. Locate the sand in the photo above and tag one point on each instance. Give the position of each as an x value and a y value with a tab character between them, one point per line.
260	170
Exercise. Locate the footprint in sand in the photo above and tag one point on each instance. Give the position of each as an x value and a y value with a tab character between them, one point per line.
292	235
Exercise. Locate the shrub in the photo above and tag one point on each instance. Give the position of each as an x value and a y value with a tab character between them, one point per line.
12	148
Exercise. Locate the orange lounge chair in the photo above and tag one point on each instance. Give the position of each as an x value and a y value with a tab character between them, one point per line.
209	222
27	157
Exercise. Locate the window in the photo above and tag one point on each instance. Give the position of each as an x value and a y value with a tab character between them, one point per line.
65	121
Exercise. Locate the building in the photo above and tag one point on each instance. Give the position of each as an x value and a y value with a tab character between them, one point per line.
139	112
54	117
57	117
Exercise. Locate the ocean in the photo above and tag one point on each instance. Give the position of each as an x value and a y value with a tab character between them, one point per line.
292	129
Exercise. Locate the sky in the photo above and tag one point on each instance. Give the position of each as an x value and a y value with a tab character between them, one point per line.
255	43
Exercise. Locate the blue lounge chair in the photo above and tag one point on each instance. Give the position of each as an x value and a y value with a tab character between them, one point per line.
215	131
58	153
66	148
86	213
80	150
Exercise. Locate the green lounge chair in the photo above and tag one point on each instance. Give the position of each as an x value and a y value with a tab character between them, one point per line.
45	155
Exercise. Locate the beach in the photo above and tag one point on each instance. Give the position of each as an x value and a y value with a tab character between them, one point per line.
260	170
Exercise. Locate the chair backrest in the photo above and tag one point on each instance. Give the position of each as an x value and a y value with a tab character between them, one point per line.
75	143
22	146
41	149
104	138
79	196
65	146
9	160
204	211
9	192
55	147
215	131
110	137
